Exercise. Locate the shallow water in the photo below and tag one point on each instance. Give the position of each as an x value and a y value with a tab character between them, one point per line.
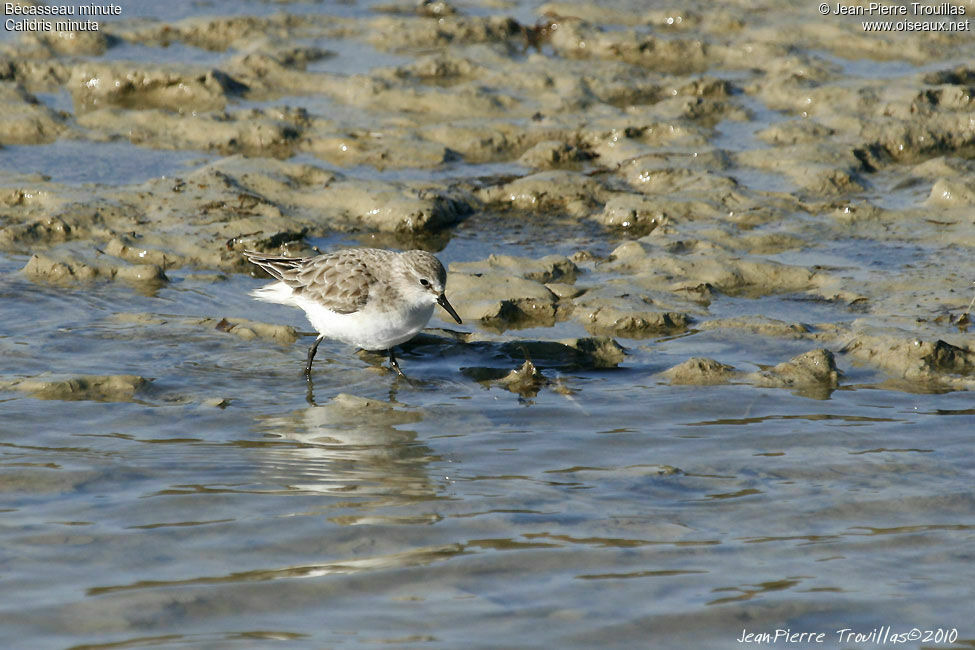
105	163
226	503
620	510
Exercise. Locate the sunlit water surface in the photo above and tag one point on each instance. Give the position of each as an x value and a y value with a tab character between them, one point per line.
224	507
229	506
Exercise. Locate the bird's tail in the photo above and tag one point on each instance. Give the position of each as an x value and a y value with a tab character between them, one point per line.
276	292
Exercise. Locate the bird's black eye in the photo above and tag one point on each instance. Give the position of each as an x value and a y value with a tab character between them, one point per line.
424	282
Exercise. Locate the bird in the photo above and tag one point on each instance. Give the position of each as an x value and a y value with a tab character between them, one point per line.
371	298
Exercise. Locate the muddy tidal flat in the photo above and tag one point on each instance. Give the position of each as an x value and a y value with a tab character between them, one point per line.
716	377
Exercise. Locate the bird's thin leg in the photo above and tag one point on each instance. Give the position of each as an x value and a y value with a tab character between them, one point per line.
395	364
311	356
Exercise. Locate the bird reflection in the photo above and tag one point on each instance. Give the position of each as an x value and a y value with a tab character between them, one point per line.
350	447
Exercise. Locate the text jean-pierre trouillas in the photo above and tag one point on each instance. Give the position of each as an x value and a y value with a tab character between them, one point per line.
882	635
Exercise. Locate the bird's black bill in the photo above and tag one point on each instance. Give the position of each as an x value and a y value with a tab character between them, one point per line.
442	301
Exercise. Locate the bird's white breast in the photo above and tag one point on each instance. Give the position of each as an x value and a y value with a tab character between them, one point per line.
374	327
369	328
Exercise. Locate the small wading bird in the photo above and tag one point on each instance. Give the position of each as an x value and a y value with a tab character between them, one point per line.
367	297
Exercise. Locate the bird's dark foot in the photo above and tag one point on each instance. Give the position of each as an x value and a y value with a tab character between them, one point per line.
395	364
311	357
310	391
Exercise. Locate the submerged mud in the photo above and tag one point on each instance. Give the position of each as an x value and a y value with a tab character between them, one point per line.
103	388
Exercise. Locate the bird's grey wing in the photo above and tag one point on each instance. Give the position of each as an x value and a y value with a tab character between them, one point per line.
339	281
